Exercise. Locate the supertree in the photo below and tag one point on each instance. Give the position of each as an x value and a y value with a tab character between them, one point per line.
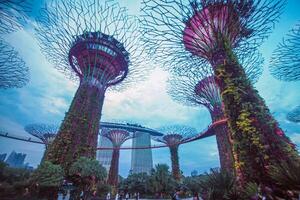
285	60
117	136
173	136
198	88
45	132
218	32
13	14
13	71
96	43
294	115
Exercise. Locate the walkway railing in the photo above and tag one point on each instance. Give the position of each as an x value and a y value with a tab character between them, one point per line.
209	131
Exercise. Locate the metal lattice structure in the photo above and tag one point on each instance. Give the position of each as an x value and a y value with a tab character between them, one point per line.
111	35
13	71
180	29
97	43
220	33
13	14
117	137
294	115
285	60
45	132
173	136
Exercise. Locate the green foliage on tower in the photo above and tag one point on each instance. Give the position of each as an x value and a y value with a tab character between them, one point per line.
258	140
78	133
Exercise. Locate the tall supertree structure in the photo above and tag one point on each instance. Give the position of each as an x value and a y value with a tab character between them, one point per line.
173	136
294	115
13	14
197	87
285	60
218	32
45	132
117	136
97	43
13	71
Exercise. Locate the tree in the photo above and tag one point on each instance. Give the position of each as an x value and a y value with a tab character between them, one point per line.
193	184
86	173
13	180
161	180
136	183
48	177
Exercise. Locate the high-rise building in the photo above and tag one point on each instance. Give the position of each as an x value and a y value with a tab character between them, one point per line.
16	159
2	157
141	159
104	156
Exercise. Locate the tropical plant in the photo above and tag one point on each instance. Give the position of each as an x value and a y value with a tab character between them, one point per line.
13	180
12	175
136	183
103	189
161	180
86	173
287	177
193	184
218	185
251	190
47	178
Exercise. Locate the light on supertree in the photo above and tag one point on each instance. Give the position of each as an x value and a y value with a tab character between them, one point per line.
13	71
197	87
218	32
294	115
45	132
285	60
173	136
117	136
13	14
96	43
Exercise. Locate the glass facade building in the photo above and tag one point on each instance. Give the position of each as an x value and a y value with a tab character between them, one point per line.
104	156
141	159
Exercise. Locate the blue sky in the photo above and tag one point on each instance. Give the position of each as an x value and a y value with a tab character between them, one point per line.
48	95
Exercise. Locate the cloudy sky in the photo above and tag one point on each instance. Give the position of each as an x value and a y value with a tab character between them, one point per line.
49	93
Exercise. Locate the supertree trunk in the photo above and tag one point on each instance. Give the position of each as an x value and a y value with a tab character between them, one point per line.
258	141
114	168
224	141
78	133
224	147
175	162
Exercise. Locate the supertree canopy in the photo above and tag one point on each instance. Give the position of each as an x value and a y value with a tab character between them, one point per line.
13	71
45	132
173	136
285	61
13	14
117	136
294	115
219	32
197	87
96	42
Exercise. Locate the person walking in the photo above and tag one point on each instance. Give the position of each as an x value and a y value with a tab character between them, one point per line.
108	196
117	196
127	196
